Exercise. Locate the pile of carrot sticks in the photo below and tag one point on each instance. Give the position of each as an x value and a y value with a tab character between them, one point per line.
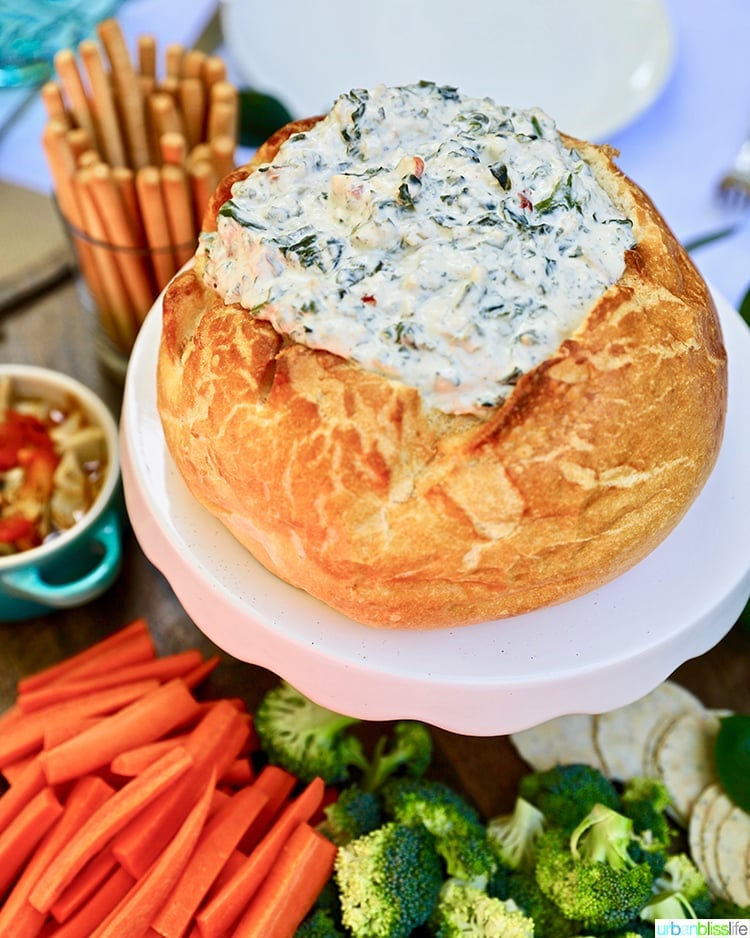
135	148
133	808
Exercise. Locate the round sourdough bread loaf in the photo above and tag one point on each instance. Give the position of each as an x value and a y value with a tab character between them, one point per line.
353	486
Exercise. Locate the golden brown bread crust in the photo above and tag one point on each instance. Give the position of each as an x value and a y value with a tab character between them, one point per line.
341	483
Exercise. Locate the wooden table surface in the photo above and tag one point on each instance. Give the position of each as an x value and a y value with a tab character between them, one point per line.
53	331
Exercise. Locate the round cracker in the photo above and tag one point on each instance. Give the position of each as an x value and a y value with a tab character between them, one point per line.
684	759
705	819
732	851
565	739
621	735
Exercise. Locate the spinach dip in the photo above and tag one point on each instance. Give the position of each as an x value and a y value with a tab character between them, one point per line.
443	241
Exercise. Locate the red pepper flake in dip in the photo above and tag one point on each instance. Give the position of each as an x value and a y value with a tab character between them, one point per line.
52	466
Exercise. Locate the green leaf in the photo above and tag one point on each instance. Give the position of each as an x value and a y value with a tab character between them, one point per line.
744	309
703	240
733	758
260	116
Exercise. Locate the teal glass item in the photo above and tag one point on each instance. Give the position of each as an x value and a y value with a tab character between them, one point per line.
32	31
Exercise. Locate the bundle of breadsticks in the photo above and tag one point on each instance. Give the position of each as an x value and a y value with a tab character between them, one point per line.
135	152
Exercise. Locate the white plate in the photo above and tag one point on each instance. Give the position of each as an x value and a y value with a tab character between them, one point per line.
586	656
593	65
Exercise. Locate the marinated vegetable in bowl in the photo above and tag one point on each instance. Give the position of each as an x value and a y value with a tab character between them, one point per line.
53	463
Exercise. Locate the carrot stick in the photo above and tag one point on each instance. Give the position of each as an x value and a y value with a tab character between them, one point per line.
57	732
201	672
223	909
21	836
294	882
220	837
55	671
239	774
84	798
26	787
26	735
134	650
134	914
159	669
213	744
85	884
104	823
150	717
134	761
91	915
15	770
277	784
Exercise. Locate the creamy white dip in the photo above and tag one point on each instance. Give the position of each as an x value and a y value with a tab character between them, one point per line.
443	241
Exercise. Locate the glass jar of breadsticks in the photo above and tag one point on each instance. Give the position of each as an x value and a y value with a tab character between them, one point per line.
135	146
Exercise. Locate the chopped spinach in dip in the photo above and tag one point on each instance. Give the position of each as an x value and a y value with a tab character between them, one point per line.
440	240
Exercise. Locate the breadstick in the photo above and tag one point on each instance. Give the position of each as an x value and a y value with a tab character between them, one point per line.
192	64
79	142
110	138
214	69
173	148
200	152
222	110
136	272
179	209
202	183
124	180
222	154
53	102
147	56
173	59
61	162
148	186
72	85
88	158
127	90
117	313
192	98
164	115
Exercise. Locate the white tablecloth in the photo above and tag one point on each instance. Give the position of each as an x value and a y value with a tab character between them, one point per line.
676	150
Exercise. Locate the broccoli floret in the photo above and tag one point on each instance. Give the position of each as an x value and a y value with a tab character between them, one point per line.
304	738
388	881
566	793
645	802
466	911
460	836
680	891
513	836
549	922
319	924
408	751
355	812
590	874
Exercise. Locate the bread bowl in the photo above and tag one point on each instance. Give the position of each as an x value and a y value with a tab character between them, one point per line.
400	498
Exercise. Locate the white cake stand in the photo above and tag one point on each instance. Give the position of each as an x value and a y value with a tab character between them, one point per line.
589	655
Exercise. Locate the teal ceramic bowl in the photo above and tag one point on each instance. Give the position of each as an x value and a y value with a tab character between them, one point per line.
82	561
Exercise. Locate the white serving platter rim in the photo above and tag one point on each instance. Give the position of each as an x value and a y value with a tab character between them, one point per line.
589	655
